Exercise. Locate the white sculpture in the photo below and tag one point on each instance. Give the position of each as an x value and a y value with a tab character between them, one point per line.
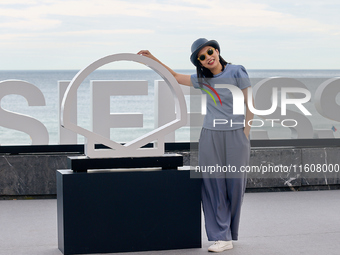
132	148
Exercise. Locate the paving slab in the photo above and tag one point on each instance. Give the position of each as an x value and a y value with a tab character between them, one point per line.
303	222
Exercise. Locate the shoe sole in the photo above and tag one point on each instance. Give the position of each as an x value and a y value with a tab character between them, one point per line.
227	248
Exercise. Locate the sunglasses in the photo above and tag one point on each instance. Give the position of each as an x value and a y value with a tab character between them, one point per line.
209	52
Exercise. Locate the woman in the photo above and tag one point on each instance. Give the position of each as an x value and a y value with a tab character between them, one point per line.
223	141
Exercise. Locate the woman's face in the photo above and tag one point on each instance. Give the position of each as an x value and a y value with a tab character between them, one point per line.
211	61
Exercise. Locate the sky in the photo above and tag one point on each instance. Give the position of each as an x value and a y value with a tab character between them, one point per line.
264	34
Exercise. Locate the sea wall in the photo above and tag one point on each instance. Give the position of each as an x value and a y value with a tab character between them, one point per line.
279	169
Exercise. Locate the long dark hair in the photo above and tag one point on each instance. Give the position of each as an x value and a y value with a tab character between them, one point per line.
203	72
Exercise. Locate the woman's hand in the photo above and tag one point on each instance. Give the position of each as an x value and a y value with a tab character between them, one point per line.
246	133
181	78
147	53
249	114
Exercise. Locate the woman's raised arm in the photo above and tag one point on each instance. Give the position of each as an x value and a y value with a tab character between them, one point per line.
183	79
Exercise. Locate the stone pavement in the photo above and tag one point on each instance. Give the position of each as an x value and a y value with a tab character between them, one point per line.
273	223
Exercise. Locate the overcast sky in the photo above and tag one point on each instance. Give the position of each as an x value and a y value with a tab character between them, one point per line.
264	34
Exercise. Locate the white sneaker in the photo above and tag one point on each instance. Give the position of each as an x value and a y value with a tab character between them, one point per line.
219	246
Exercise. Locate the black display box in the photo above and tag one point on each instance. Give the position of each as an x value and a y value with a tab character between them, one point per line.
127	211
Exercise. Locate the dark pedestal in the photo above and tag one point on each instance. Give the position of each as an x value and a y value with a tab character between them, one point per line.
83	163
128	211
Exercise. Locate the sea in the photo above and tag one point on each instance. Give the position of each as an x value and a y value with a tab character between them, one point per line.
47	82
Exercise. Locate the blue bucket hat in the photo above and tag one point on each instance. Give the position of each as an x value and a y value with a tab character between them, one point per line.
198	45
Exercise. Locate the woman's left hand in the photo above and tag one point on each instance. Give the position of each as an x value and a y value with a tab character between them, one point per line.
246	134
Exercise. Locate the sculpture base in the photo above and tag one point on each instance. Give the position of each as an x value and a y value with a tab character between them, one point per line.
83	163
127	211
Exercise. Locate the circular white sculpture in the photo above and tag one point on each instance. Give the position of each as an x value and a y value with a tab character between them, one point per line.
132	148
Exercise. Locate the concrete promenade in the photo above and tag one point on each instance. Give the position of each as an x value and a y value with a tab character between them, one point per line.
273	223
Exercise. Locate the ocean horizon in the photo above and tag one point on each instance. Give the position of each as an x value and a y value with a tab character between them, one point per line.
47	82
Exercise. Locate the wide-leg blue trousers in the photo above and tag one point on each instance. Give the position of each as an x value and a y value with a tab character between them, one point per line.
221	157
